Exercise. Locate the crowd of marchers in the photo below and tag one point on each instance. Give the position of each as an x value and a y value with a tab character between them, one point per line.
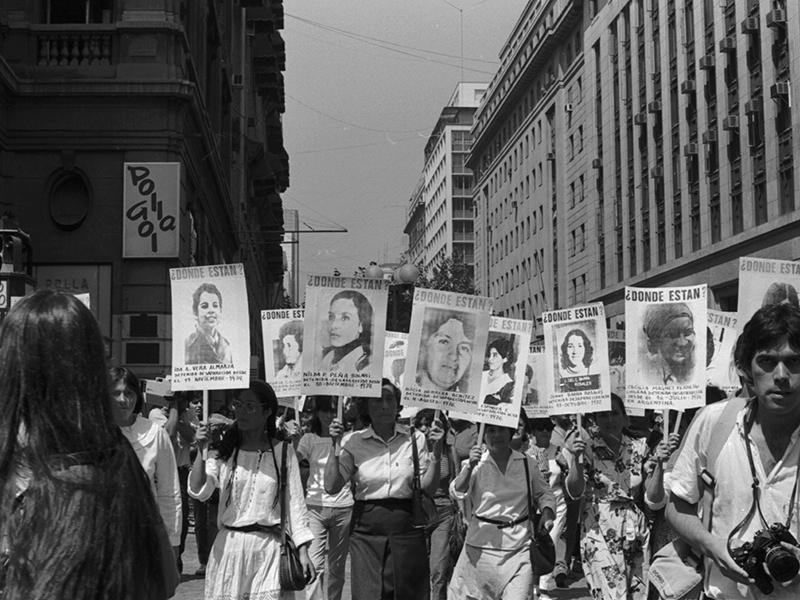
96	495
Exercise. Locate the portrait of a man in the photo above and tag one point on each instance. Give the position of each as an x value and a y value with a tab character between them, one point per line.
445	355
289	351
670	336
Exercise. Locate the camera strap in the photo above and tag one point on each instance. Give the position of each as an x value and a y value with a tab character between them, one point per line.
755	505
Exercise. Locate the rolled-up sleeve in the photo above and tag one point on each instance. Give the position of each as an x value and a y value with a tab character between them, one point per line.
212	466
167	486
297	513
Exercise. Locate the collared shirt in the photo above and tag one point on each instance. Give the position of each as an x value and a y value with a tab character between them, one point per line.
382	469
502	497
732	502
316	450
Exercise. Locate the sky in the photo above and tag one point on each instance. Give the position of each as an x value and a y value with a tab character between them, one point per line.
365	83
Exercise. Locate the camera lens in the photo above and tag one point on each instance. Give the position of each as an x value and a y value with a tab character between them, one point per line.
782	564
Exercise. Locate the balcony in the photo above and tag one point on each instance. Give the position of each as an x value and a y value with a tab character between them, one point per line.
73	49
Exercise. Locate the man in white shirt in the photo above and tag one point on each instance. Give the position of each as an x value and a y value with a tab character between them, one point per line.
762	447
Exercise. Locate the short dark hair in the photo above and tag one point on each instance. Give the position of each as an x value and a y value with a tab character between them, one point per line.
540	423
131	381
766	328
208	288
294	328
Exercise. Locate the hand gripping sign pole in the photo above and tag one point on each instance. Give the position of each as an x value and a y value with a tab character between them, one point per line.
337	446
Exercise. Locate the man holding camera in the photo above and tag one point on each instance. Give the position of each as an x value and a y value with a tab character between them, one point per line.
755	475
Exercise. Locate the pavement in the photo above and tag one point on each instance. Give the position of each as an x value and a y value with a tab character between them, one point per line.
191	586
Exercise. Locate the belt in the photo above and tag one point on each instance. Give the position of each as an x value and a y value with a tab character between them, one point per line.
255	527
503	524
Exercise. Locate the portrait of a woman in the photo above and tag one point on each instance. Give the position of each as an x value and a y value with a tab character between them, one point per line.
497	386
577	354
206	345
349	331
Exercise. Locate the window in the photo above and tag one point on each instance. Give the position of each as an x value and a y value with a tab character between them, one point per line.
78	11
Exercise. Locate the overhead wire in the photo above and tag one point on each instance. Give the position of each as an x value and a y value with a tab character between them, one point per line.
381	43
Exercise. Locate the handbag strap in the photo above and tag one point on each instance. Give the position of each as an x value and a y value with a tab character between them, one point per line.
528	486
283	477
415	485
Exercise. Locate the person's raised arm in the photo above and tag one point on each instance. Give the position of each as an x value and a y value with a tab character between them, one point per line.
197	476
461	482
574	453
430	479
333	479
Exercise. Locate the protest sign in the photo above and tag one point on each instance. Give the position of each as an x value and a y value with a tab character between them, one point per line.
764	281
577	357
616	361
394	357
723	330
345	324
209	352
535	403
663	327
503	377
446	343
282	332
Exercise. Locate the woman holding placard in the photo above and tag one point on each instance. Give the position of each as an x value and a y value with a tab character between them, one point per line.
247	468
388	553
329	514
606	467
499	488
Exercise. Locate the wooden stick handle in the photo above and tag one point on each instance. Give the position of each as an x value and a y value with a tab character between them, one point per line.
665	426
678	421
481	431
579	424
337	447
205	420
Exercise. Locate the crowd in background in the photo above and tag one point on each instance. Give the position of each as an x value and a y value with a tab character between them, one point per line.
76	432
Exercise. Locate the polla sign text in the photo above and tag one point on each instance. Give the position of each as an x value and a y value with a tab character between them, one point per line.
151	200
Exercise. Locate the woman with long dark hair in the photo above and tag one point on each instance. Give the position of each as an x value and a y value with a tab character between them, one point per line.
349	332
77	518
246	468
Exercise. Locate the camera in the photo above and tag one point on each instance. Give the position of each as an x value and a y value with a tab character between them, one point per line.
766	549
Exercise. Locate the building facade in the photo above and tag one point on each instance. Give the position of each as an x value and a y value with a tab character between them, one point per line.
671	151
443	202
88	87
529	159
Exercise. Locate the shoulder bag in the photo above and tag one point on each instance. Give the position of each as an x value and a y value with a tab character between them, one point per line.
542	549
291	574
423	509
676	570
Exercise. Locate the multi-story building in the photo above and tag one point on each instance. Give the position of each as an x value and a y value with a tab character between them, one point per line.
90	86
691	146
529	158
415	227
445	197
670	127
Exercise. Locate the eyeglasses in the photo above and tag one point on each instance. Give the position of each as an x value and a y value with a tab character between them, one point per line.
249	407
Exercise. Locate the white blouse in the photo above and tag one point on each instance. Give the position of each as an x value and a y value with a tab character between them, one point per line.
249	495
153	447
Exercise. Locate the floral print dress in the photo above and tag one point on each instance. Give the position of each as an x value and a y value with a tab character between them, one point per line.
614	542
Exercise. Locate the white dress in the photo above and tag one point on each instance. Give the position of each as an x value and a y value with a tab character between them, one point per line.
244	565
